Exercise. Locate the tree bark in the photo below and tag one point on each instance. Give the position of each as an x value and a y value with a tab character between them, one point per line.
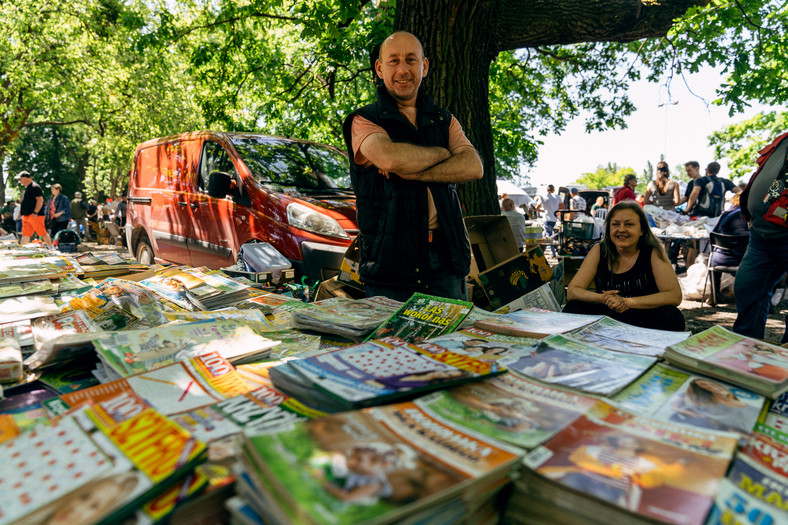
462	37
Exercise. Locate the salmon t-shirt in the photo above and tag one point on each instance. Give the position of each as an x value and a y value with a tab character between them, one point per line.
363	128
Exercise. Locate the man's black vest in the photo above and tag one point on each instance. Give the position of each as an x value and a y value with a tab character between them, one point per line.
392	213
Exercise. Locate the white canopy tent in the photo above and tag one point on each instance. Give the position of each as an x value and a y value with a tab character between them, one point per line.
515	193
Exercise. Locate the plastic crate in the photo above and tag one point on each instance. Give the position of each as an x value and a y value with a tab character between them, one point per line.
67	247
578	230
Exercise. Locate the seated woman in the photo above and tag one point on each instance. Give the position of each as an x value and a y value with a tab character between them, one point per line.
730	222
634	281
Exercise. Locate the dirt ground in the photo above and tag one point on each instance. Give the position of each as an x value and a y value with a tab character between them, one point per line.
700	316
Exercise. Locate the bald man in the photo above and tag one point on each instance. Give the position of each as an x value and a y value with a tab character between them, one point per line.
407	156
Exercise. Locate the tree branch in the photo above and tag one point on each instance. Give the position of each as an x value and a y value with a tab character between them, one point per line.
525	23
236	19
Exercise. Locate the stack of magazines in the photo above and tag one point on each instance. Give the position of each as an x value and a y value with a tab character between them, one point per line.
611	466
197	288
376	372
350	318
133	351
380	465
753	364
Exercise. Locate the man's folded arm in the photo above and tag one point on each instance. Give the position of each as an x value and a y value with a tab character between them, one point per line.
400	157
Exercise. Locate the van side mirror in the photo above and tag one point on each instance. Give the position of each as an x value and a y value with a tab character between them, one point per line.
219	184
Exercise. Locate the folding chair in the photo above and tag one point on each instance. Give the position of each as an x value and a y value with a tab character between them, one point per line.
718	241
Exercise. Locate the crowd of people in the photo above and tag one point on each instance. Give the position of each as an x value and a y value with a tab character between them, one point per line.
32	215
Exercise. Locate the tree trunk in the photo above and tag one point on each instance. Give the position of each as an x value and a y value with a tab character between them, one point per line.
457	41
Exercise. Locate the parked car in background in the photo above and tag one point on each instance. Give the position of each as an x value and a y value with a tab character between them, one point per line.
196	198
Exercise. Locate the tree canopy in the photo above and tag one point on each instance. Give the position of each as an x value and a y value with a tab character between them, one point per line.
118	72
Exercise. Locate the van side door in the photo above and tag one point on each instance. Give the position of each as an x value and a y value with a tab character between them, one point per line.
160	170
213	243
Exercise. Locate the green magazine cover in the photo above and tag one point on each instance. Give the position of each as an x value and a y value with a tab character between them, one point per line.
423	317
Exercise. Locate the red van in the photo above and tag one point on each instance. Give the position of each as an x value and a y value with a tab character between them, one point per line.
195	198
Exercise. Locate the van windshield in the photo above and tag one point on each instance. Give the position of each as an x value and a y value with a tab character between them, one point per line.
286	163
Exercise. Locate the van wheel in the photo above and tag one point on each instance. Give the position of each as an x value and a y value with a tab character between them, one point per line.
145	252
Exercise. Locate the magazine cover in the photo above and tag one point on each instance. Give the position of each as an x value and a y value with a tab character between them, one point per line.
26	307
562	361
261	410
508	408
423	317
542	298
484	345
741	360
186	385
736	504
379	464
380	370
118	304
669	394
134	351
16	289
534	322
665	472
756	489
94	466
615	335
57	338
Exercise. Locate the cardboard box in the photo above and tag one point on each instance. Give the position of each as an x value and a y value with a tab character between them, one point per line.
511	279
558	283
492	241
334	288
348	270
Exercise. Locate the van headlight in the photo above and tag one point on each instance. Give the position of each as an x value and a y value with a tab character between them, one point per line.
303	218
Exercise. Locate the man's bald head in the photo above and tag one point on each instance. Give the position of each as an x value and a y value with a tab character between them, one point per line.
398	35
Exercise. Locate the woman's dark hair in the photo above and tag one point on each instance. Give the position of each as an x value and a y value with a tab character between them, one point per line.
607	247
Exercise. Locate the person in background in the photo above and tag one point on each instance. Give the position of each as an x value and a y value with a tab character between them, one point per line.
58	210
600	203
79	212
550	205
516	221
634	281
640	199
93	216
730	222
120	211
766	258
693	172
9	224
627	191
32	210
663	192
105	211
577	202
18	217
708	193
406	157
